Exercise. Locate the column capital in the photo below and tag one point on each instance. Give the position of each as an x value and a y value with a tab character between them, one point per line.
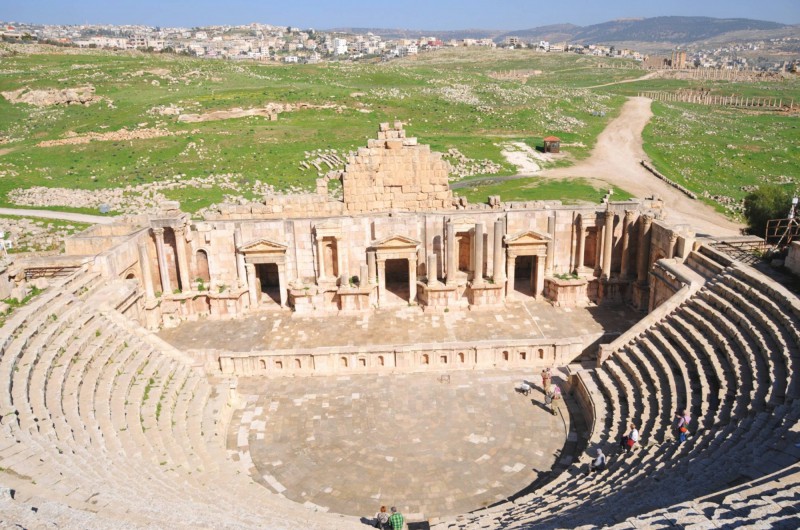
158	231
647	219
179	229
673	237
629	214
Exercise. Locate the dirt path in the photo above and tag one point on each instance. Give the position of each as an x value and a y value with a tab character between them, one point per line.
643	78
65	216
615	159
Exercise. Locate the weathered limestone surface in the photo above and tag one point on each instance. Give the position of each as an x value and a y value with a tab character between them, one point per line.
793	259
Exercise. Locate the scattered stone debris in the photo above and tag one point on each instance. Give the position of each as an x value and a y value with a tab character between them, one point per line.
45	98
270	110
462	166
35	235
113	136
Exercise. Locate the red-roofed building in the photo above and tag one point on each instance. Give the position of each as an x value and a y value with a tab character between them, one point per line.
552	144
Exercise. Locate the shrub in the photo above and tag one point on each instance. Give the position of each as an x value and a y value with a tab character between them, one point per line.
767	202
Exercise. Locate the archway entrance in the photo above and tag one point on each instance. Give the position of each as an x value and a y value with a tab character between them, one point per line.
397	286
269	283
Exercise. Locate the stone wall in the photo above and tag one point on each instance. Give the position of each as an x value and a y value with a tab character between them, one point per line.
793	258
395	173
534	354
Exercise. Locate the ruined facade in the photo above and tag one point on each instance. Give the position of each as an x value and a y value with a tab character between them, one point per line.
398	238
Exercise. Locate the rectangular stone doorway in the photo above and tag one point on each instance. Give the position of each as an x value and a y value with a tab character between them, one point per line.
525	276
269	284
397	287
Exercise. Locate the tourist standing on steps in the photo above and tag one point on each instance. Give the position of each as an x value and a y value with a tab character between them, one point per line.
555	399
628	441
382	519
683	425
547	377
599	463
396	519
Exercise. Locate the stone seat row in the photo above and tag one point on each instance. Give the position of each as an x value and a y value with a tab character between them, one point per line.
728	355
100	420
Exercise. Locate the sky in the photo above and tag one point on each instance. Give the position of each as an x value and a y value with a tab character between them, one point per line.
409	14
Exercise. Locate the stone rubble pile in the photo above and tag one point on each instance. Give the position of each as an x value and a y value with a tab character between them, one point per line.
44	98
462	166
30	235
122	135
142	197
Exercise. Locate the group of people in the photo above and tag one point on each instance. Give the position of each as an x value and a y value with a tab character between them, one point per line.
552	392
628	441
389	521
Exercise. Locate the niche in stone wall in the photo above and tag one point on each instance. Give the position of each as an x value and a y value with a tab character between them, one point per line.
330	256
201	262
464	250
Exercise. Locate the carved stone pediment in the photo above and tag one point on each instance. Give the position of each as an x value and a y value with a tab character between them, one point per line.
528	237
328	227
262	246
395	242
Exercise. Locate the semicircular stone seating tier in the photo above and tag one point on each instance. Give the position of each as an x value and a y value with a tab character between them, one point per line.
729	354
101	426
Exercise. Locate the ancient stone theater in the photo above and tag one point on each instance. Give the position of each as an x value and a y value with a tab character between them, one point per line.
227	372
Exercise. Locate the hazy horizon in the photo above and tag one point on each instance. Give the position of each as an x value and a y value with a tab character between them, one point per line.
416	15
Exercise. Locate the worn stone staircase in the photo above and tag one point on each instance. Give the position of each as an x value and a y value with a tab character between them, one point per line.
103	426
728	353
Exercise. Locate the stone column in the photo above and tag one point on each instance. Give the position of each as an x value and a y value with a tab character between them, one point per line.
147	276
372	267
451	253
430	267
608	244
412	279
183	263
673	241
162	261
581	245
381	281
252	284
644	248
540	268
498	258
511	260
598	249
241	272
551	245
626	239
282	284
342	264
477	260
320	258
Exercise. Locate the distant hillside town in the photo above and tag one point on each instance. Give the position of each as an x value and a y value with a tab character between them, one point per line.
265	42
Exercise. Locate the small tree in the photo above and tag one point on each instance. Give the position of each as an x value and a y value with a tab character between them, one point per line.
767	202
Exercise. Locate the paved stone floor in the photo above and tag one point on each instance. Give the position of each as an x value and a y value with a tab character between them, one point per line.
431	447
270	330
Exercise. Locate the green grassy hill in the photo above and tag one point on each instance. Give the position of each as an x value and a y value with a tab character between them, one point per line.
448	99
